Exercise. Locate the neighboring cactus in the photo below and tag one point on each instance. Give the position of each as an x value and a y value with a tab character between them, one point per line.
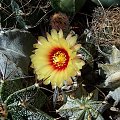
112	71
20	97
60	87
68	6
107	3
105	26
80	109
59	21
23	14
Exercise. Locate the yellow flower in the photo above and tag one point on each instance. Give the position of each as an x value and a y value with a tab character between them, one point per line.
55	59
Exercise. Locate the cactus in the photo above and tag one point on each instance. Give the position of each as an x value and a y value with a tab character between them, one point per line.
25	95
68	6
107	3
20	98
80	109
105	26
21	14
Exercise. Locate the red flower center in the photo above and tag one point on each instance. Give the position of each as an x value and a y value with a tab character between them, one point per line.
59	58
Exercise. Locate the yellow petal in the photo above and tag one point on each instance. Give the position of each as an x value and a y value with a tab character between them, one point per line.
65	74
42	40
46	82
56	79
49	37
69	81
44	69
60	78
60	85
52	77
36	45
71	70
54	34
44	73
59	81
63	44
68	36
60	33
76	47
73	54
72	40
52	42
39	77
79	63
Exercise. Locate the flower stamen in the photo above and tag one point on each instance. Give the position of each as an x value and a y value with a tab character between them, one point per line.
59	58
